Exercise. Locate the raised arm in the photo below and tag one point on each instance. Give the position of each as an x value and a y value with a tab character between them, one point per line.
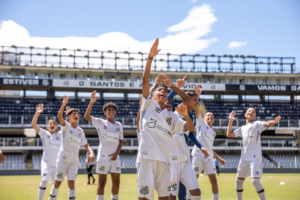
138	118
182	109
88	111
38	111
182	94
179	83
61	111
221	160
153	52
273	122
229	128
91	157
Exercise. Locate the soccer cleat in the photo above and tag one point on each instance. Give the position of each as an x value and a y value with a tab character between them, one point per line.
94	181
87	184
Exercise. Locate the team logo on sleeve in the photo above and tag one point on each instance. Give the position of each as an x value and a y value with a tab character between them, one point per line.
144	189
152	123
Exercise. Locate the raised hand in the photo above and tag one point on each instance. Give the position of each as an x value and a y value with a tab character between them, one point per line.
277	119
182	109
181	82
93	97
159	79
198	89
39	108
154	49
205	152
232	116
65	100
167	81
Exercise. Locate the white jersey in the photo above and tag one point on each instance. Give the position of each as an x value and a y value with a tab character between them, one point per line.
205	135
73	138
156	130
87	158
251	140
180	151
109	136
51	144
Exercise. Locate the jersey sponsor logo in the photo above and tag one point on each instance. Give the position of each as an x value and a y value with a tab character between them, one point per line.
145	152
152	123
174	157
158	110
144	189
60	175
173	186
196	168
102	168
73	141
111	137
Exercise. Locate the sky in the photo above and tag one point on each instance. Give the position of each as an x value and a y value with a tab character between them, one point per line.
261	28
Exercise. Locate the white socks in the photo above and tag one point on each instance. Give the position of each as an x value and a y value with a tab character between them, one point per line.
239	189
215	196
195	197
114	196
42	189
53	193
100	197
71	194
259	188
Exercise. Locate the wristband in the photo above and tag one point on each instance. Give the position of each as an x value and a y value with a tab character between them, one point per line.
150	58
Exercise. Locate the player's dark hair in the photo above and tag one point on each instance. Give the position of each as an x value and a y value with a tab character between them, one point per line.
191	93
51	120
72	110
157	86
109	105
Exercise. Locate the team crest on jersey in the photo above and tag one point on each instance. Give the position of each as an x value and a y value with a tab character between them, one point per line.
105	122
152	123
79	130
169	120
144	189
158	110
203	133
117	129
174	157
57	138
49	136
102	168
173	186
71	132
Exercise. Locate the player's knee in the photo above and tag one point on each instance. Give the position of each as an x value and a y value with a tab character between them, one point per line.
116	183
195	192
213	180
102	183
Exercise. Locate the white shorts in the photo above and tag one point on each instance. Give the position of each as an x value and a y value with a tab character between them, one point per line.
47	171
183	172
200	163
153	175
64	169
105	166
251	168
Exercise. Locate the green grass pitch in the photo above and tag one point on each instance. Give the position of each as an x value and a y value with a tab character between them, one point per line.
26	187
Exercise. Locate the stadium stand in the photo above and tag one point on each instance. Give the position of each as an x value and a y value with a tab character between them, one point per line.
14	161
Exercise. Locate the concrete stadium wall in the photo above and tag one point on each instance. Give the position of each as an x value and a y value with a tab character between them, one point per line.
133	171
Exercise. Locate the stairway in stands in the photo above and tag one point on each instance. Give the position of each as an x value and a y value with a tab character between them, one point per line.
271	160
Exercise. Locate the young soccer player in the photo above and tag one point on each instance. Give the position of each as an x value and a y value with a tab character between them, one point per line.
194	101
110	134
251	155
89	167
206	136
68	156
157	126
51	143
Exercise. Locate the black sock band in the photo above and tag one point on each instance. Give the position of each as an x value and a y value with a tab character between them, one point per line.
72	198
240	190
42	188
261	191
52	196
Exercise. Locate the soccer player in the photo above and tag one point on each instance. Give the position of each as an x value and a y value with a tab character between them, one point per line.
89	167
193	97
111	137
251	155
157	125
206	136
68	156
51	143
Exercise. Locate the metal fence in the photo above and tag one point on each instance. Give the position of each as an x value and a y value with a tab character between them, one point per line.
108	59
